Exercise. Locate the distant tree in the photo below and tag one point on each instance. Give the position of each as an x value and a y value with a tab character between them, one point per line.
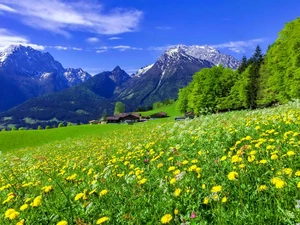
60	125
48	127
13	128
21	128
119	107
243	65
39	127
3	130
182	102
157	105
69	124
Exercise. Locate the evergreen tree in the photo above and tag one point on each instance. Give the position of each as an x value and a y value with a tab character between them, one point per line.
243	65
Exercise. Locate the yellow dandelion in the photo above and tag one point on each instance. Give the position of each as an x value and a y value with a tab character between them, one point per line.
63	222
297	173
37	201
262	187
160	165
103	192
223	158
176	211
21	222
290	153
142	181
274	157
102	220
224	199
216	189
171	168
177	192
263	161
173	181
203	186
298	185
23	207
47	189
166	218
11	214
232	175
205	201
78	196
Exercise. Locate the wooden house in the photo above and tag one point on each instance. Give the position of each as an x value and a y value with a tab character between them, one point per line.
159	115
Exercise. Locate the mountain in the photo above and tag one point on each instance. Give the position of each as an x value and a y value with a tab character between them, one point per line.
81	103
161	80
28	73
97	95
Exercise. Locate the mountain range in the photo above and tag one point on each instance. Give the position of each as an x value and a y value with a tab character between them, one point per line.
55	94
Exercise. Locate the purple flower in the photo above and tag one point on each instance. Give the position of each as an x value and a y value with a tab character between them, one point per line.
146	160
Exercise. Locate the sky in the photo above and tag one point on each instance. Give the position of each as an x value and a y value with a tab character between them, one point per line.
98	35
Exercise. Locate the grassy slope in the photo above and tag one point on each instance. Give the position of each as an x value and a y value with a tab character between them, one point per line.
33	138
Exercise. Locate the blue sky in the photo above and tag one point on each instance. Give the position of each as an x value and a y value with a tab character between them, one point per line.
98	35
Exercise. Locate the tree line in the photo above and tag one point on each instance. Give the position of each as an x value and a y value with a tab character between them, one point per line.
260	81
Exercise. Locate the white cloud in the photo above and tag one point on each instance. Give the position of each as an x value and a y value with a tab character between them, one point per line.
114	38
8	38
92	40
125	47
77	49
62	17
102	49
164	28
6	8
239	46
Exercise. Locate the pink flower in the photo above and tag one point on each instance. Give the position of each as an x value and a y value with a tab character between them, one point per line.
193	215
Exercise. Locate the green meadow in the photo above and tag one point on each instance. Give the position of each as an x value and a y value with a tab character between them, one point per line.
240	167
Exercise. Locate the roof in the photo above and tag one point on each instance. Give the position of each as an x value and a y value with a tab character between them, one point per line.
159	114
112	118
122	115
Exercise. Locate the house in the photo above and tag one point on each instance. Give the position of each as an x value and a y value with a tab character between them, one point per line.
93	122
159	115
189	115
124	118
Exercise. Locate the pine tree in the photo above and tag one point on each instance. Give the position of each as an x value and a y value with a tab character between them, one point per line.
243	65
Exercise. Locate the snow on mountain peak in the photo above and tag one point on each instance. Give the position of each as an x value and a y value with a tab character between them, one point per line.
143	70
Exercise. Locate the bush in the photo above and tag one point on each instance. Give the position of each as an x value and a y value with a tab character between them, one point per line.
48	127
60	125
39	127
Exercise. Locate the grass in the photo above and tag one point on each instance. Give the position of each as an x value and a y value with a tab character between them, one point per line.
230	168
32	138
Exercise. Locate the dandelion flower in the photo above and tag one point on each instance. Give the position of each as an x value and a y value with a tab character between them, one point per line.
142	181
78	196
173	181
63	222
37	201
166	218
223	158
103	192
102	220
11	214
224	199
216	189
177	192
47	189
205	201
23	207
21	222
262	187
176	212
290	153
232	175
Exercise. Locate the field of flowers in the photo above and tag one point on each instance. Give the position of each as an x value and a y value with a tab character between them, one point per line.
231	168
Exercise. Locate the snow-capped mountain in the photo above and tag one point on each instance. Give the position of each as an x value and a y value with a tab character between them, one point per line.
76	76
32	73
173	70
193	52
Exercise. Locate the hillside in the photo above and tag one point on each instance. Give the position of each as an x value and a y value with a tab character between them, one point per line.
201	171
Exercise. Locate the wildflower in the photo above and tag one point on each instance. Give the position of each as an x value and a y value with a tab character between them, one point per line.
37	201
216	189
203	186
242	166
166	219
288	171
193	215
23	207
192	168
235	159
177	192
263	161
78	196
176	172
205	201
224	199
21	222
176	212
185	162
171	168
63	222
47	189
278	182
159	165
297	173
274	157
102	220
223	158
290	153
194	161
232	175
262	187
103	192
10	197
142	181
11	214
173	181
298	185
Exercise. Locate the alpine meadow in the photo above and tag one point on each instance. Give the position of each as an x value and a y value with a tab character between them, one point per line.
195	138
